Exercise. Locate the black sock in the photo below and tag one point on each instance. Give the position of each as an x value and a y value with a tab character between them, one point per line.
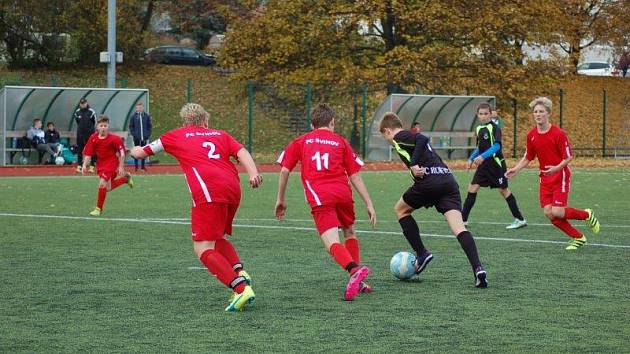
412	233
468	204
351	266
511	202
467	242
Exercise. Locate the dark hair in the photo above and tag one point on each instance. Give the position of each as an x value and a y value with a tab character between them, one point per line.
322	115
484	105
50	123
102	119
83	100
416	123
390	121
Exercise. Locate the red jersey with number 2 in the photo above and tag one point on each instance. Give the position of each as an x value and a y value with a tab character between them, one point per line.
551	148
106	150
204	157
327	160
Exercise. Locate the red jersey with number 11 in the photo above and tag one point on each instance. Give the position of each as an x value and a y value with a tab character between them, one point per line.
327	160
204	156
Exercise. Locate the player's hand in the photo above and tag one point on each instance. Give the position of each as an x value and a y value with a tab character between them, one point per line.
550	169
255	181
121	171
417	171
469	164
478	160
372	216
510	173
84	170
281	209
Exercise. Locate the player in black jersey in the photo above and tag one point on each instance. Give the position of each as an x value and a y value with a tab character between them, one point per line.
434	186
491	167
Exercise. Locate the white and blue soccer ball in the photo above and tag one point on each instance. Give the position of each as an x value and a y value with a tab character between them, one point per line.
59	160
401	265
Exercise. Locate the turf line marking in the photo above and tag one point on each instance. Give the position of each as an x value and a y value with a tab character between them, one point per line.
295	228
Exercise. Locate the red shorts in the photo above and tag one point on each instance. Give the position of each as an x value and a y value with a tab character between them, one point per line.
330	216
107	174
554	190
212	221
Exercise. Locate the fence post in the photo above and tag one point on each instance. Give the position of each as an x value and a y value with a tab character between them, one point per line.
189	91
54	81
604	125
561	106
308	102
123	83
250	114
364	108
515	118
418	90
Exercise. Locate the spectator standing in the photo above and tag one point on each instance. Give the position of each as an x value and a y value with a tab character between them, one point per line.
36	136
85	117
140	127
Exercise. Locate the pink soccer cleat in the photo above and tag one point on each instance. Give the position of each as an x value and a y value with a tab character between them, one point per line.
365	288
354	284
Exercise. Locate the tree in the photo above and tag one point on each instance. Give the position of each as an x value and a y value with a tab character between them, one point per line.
199	19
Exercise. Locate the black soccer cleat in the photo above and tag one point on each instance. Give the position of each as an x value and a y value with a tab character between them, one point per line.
481	280
422	261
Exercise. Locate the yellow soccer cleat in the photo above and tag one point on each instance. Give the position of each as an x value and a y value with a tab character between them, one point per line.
79	169
244	274
129	180
240	301
96	212
592	221
91	169
576	243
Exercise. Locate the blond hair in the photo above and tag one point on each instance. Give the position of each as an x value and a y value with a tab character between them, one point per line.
543	101
390	121
194	114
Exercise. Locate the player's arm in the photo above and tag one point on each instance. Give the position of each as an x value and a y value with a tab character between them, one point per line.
549	170
566	154
245	158
142	152
121	161
281	203
518	167
359	186
86	161
418	151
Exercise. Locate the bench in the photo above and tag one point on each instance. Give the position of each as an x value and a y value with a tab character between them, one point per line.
443	140
70	136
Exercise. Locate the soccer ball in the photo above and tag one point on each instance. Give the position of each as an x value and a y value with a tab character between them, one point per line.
59	160
24	160
401	265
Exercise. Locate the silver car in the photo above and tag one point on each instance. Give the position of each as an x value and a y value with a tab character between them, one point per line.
595	68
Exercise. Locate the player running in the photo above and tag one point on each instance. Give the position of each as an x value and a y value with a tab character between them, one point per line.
550	144
491	167
109	150
204	157
327	163
434	186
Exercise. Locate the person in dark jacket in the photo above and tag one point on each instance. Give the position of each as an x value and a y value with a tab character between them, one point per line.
85	117
140	127
52	138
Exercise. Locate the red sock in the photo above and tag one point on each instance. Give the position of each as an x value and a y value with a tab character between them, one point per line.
575	214
352	245
342	257
219	267
564	225
118	182
102	193
227	250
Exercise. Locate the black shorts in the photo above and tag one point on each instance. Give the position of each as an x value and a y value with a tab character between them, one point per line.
490	174
441	192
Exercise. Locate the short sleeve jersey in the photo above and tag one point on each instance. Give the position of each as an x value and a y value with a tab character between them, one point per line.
327	160
487	135
204	157
106	150
405	143
551	147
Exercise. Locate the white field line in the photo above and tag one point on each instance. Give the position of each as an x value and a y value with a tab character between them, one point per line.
605	226
67	217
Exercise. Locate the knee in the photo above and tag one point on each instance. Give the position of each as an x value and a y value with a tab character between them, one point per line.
401	212
348	233
557	213
549	214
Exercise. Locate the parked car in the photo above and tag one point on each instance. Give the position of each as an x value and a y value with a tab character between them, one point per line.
596	68
171	54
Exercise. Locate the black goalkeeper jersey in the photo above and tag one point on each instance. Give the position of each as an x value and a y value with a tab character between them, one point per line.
415	149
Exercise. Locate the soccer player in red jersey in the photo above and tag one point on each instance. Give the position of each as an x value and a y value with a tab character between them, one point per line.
327	163
110	154
204	157
550	144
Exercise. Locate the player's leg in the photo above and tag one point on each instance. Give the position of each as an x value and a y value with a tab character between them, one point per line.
467	242
81	140
345	213
226	248
519	221
470	200
556	216
103	186
136	142
208	224
340	254
143	161
411	231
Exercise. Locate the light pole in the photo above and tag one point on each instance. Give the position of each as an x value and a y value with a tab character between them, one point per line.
111	43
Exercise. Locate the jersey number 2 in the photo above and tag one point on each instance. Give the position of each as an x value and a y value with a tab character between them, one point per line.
320	159
212	148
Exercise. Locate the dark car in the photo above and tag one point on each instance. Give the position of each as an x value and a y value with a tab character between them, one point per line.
171	54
